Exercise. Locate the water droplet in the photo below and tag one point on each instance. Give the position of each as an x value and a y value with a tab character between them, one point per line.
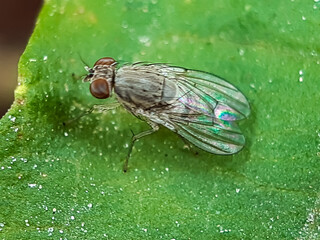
124	25
13	119
1	226
247	7
145	40
27	222
252	85
66	87
301	75
314	53
145	9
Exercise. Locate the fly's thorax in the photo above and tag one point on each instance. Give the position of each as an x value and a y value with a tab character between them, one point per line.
144	87
102	71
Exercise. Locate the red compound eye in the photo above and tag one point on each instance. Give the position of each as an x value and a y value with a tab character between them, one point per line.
100	88
105	61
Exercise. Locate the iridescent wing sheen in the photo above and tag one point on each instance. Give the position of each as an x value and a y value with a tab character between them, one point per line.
208	94
208	133
221	137
206	110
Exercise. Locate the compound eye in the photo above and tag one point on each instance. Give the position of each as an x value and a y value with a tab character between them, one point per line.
100	88
105	61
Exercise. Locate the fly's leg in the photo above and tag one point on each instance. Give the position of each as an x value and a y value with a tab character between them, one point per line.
95	107
135	137
189	145
105	107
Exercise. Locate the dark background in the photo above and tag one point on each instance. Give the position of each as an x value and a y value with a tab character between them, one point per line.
17	19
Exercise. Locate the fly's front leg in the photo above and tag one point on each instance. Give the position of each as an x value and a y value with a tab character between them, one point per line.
98	107
154	128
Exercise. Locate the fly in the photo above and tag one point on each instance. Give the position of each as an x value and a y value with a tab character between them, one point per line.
199	106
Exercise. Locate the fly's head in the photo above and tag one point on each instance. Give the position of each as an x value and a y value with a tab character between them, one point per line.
101	77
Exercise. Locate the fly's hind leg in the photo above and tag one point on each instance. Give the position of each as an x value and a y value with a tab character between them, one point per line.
189	146
135	137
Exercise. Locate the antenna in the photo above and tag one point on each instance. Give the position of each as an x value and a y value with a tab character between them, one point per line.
86	65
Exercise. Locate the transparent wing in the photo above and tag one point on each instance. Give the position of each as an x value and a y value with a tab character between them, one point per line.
206	110
209	94
221	137
208	133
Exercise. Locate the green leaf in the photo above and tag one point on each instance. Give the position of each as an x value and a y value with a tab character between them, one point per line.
67	182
